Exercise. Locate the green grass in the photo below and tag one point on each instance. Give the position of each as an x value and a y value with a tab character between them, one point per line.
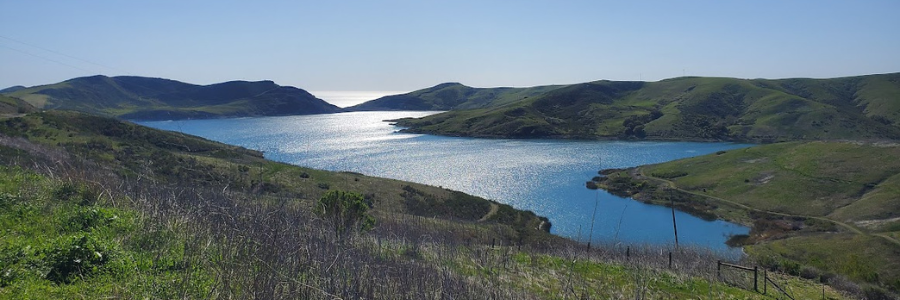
10	106
825	205
61	239
860	257
824	179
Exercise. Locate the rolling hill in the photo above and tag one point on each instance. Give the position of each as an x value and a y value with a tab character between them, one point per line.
12	89
689	108
451	96
827	206
13	106
130	97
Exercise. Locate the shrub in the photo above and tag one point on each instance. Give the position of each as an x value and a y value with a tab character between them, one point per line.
90	218
74	258
809	272
345	211
80	194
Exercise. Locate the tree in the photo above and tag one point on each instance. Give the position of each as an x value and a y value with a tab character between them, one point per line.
345	212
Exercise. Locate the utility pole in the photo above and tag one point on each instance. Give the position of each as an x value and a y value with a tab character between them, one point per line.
674	225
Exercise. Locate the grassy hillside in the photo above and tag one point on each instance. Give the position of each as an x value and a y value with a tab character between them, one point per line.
829	206
451	96
691	108
94	208
131	97
12	89
13	106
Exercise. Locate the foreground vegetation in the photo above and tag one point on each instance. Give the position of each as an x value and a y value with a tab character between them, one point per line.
94	207
685	108
816	208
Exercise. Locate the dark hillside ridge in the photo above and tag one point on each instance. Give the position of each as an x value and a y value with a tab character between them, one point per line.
451	96
12	89
690	108
132	97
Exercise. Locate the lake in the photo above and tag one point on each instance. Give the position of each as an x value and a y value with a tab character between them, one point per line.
544	176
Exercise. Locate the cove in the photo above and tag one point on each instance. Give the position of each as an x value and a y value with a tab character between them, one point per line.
544	176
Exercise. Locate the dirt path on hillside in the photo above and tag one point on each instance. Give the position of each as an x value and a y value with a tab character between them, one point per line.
491	213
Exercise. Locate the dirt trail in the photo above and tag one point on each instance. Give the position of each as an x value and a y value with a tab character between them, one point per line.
491	213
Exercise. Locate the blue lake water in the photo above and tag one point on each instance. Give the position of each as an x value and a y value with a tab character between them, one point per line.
544	176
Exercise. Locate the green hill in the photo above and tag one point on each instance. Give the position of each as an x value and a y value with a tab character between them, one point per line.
92	207
825	206
13	106
690	108
451	96
12	89
131	97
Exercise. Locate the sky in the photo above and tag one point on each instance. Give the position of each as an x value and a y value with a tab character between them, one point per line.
404	45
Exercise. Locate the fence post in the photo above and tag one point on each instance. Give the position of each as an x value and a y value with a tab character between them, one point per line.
670	259
628	251
719	269
493	242
755	278
765	282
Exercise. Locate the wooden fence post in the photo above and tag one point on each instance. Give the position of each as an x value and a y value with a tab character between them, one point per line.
719	269
670	259
755	278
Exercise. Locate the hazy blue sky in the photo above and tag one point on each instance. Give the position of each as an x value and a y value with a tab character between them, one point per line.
406	45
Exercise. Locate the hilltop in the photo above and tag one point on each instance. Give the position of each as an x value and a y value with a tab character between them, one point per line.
686	108
12	89
451	96
814	207
143	98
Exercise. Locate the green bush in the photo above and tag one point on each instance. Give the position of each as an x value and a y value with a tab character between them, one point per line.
89	218
347	212
80	194
76	257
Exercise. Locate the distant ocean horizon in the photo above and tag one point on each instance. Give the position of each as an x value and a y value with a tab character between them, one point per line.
351	98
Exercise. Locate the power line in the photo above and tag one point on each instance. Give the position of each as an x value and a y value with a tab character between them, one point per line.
61	54
45	58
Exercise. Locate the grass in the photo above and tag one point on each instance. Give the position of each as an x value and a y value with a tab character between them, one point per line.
12	106
823	179
61	239
153	252
829	206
